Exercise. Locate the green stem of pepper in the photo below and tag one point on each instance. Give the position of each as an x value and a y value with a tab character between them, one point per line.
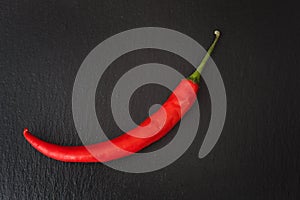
195	77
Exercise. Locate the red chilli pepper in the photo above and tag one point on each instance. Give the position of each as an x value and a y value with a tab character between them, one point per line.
152	129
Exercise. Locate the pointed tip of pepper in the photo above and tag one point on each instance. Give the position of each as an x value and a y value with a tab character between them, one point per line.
25	131
27	135
34	141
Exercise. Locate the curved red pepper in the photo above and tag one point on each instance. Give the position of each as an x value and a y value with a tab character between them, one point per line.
158	125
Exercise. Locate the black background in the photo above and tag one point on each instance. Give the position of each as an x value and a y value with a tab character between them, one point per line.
43	43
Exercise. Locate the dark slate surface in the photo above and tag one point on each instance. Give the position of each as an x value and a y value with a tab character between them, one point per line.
42	44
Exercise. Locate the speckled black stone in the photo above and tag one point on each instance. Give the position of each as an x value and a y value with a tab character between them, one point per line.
43	43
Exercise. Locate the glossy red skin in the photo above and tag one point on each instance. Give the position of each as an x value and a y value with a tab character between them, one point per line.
152	129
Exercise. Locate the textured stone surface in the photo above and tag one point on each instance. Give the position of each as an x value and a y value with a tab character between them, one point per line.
42	45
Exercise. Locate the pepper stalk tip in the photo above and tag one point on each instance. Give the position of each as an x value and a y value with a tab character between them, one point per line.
217	33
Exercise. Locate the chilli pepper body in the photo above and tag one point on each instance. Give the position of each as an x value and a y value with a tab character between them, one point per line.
149	131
